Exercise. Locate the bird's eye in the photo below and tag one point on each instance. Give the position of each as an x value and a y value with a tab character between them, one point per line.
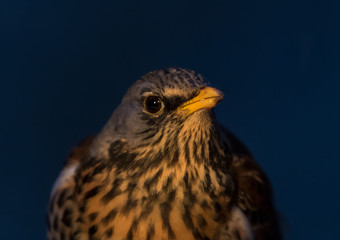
153	104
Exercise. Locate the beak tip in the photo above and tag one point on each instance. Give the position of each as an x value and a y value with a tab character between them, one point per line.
219	93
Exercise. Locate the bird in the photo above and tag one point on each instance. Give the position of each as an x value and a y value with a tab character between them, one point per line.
163	168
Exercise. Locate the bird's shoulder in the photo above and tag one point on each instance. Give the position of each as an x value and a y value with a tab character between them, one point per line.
62	209
73	161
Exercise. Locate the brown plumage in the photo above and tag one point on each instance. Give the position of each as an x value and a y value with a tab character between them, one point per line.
162	168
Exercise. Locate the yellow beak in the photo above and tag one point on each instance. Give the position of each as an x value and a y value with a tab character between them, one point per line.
208	97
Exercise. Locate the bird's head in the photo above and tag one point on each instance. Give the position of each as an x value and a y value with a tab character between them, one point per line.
161	110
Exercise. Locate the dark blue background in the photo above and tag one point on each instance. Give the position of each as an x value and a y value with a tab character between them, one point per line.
66	64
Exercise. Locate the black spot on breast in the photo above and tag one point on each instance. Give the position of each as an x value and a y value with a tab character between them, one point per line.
67	217
218	210
92	230
187	152
132	229
93	216
109	232
175	157
187	218
151	232
205	205
191	197
130	204
186	179
131	186
165	213
147	206
81	208
98	169
114	191
168	183
207	182
171	196
153	180
217	207
110	216
212	194
201	221
196	158
80	220
61	198
86	178
91	193
203	152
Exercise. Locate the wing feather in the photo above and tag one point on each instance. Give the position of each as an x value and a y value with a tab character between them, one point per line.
62	211
254	191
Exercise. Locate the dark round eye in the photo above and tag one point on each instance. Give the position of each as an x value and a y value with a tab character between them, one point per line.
153	104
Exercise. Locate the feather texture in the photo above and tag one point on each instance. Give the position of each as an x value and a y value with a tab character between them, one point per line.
164	175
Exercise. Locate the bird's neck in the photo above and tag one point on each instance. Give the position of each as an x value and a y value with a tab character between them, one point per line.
188	153
181	158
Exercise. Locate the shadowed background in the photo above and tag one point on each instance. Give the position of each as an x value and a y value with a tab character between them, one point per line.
66	64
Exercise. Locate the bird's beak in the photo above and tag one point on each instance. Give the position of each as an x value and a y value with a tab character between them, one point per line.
208	97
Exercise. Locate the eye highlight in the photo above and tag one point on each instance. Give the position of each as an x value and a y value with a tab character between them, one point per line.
153	104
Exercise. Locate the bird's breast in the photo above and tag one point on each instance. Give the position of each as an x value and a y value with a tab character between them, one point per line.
163	203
